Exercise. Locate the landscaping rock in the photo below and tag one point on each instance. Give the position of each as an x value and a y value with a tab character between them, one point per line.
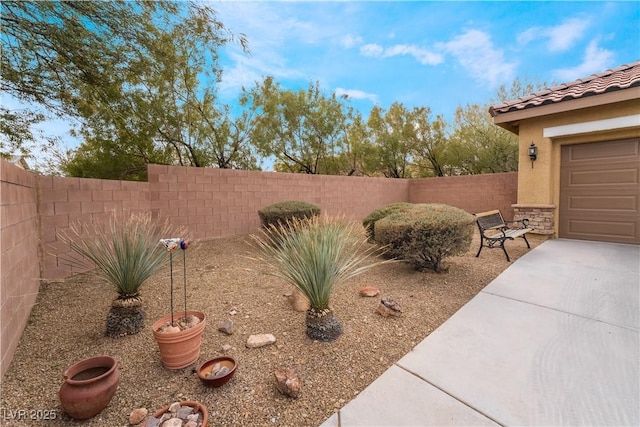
298	301
226	326
226	348
389	307
260	340
173	422
137	416
288	382
369	291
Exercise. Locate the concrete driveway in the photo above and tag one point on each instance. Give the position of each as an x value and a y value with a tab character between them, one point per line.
554	340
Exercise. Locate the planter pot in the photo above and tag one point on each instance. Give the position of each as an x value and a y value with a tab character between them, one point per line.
217	371
155	420
179	349
89	386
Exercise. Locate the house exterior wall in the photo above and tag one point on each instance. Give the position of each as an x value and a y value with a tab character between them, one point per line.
539	186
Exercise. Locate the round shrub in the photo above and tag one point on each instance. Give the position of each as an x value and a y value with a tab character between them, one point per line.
425	234
369	222
280	213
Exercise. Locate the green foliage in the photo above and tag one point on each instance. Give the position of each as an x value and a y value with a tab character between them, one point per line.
304	130
279	214
392	133
139	77
370	221
315	255
125	250
425	234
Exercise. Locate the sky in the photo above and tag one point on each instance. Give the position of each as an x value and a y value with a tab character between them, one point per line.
440	55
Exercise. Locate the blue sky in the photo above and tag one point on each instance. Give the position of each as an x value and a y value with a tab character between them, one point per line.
440	55
422	53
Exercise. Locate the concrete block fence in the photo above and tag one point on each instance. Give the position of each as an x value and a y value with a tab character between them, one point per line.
209	203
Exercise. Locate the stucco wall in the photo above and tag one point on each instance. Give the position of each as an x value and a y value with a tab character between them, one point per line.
540	185
19	258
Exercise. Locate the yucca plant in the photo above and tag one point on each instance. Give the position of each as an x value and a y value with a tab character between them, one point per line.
125	251
316	254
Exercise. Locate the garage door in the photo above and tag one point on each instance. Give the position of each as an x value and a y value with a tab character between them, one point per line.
600	191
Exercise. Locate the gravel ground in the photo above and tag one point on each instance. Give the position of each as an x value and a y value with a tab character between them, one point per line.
68	320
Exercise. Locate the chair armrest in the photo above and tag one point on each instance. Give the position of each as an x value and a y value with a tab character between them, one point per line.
524	223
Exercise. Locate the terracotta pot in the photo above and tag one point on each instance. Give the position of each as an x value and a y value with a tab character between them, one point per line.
199	406
179	349
205	369
89	386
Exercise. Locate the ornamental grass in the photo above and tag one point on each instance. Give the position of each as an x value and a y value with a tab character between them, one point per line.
316	254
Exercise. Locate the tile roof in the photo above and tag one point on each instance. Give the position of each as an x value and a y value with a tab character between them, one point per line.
623	77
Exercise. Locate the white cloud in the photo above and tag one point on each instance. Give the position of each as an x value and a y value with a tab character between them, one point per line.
356	94
561	37
372	49
350	41
422	55
475	52
595	60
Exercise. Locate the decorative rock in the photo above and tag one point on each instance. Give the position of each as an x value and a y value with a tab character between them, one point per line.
173	422
226	348
389	307
233	311
184	412
298	301
170	329
137	416
288	382
173	408
226	326
260	340
153	422
191	424
369	291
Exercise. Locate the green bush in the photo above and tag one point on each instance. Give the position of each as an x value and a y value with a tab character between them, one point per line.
279	214
425	234
369	222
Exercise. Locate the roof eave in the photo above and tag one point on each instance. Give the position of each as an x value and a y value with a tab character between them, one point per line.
510	120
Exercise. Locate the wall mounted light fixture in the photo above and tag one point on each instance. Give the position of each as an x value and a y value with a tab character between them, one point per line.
533	153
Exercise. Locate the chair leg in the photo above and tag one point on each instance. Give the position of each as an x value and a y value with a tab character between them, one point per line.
505	251
524	236
479	250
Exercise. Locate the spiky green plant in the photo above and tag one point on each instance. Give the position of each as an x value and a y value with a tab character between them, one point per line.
125	251
316	254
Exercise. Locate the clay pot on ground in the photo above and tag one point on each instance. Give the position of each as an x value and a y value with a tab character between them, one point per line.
196	408
89	386
179	345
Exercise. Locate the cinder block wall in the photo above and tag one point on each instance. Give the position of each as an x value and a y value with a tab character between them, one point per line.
67	200
472	193
19	257
222	202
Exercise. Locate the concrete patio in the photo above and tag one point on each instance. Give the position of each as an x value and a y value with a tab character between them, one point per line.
554	340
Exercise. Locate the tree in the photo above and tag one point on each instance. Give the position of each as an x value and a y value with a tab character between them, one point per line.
431	151
139	77
303	130
477	145
392	135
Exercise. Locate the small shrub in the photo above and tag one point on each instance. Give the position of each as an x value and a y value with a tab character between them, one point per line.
425	234
279	214
370	221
